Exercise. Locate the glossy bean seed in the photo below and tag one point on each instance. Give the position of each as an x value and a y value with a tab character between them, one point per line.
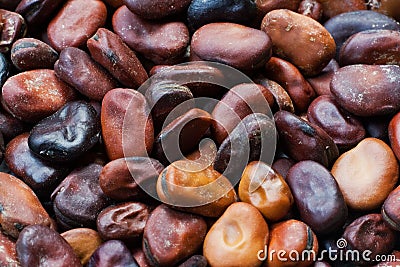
84	242
195	188
265	189
165	97
281	97
38	12
345	129
317	196
36	94
75	23
241	231
112	253
121	111
108	49
305	141
252	139
30	53
181	136
370	232
236	104
79	70
182	234
148	9
315	43
290	78
233	44
372	175
78	199
161	42
287	236
204	12
67	134
342	26
38	245
378	94
200	69
41	176
15	194
372	47
123	221
126	179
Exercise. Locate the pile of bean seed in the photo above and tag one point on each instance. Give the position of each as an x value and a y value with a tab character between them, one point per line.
199	133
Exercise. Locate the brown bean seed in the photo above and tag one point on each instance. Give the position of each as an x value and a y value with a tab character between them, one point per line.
377	94
165	97
290	78
79	70
37	12
12	28
236	45
75	23
78	199
345	129
370	232
282	98
8	254
149	9
192	187
288	236
265	189
84	242
19	206
124	221
30	53
366	174
317	196
122	110
36	94
240	231
305	141
181	136
314	48
161	42
38	245
108	49
125	178
171	236
42	176
237	103
372	47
